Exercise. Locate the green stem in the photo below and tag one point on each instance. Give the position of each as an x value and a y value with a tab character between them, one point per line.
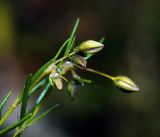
25	97
65	57
3	102
20	131
72	38
11	109
96	72
2	132
60	50
100	73
43	114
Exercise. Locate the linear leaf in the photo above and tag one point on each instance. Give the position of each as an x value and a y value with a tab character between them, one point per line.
44	114
70	43
25	96
61	48
4	102
35	109
43	93
38	86
21	130
9	128
102	40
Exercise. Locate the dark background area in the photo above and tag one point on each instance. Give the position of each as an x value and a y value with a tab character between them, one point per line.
31	31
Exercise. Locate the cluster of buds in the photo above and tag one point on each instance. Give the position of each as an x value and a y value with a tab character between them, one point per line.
88	48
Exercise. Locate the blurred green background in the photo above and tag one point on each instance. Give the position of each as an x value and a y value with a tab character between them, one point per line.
31	31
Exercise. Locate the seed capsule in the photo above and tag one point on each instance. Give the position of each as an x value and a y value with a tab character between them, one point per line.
125	84
91	47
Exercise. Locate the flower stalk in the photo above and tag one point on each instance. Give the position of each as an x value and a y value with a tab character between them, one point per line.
122	82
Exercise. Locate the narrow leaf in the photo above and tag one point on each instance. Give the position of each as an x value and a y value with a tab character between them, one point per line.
19	131
72	38
43	114
60	50
33	111
38	86
43	93
9	128
25	96
4	102
102	40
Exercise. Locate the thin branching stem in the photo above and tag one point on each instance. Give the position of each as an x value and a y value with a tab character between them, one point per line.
4	102
99	73
3	131
11	109
96	72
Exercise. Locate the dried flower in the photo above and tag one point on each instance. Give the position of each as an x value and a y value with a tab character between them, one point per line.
79	60
54	78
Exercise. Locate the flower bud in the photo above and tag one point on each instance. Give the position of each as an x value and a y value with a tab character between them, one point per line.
125	84
79	60
72	89
91	47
